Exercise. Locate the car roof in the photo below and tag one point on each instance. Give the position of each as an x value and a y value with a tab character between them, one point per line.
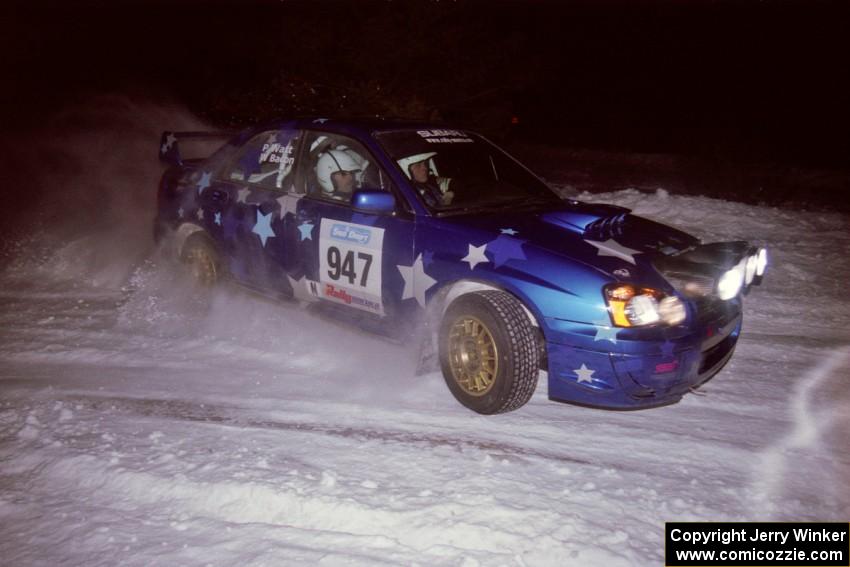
359	126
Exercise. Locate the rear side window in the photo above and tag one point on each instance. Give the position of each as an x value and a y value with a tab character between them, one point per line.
267	160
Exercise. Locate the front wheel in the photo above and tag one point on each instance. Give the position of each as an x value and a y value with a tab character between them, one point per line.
488	352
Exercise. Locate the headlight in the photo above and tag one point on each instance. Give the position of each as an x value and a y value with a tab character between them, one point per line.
672	310
731	281
635	306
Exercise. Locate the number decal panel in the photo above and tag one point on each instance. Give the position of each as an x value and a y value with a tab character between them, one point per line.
350	264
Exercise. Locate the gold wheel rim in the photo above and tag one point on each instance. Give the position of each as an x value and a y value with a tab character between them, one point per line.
202	266
473	356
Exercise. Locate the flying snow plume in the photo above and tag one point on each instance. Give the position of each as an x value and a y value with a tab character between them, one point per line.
86	188
85	222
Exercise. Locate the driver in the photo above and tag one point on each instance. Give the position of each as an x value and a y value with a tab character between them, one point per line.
340	172
422	172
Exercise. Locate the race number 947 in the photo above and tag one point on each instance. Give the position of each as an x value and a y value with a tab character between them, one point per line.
348	265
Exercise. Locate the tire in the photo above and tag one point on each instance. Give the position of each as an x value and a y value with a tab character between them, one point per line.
488	352
201	259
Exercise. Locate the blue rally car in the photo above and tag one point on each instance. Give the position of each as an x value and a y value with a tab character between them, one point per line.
419	231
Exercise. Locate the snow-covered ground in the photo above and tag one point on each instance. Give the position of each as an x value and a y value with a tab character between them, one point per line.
141	427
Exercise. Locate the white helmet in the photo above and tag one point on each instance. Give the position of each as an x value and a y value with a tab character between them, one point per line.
340	159
405	163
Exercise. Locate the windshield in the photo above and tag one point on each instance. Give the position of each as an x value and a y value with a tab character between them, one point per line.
457	171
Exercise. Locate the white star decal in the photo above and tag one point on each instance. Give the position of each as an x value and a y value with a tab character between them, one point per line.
301	289
180	212
169	141
416	281
613	248
509	231
242	195
320	120
288	204
476	256
584	374
200	214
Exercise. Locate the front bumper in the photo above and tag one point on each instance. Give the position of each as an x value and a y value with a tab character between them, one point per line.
634	373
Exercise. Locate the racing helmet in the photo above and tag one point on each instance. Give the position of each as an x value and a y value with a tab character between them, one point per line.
405	163
340	159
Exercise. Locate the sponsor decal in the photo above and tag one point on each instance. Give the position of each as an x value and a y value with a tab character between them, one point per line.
333	292
350	262
438	136
622	273
349	233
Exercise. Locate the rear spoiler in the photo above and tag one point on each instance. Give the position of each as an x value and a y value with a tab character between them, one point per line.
169	147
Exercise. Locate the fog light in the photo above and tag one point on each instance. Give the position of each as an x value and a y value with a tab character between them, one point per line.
672	310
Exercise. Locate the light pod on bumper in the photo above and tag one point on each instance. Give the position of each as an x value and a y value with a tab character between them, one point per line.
730	283
761	262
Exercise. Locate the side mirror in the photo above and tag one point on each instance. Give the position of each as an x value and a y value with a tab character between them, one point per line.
372	201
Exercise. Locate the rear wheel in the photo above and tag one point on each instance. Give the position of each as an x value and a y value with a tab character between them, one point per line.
488	352
202	260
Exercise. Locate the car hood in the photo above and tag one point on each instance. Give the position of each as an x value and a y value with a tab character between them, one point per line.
607	237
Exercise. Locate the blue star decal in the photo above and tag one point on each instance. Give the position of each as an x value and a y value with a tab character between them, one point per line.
204	182
218	219
306	229
508	231
605	332
505	248
667	348
263	228
427	258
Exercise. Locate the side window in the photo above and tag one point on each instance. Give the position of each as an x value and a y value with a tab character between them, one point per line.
266	160
336	166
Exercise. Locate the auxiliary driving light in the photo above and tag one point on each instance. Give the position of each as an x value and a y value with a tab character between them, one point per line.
761	261
750	271
731	282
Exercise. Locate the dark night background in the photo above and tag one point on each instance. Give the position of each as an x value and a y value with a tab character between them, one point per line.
750	98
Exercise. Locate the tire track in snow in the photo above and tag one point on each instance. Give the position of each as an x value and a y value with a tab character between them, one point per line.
217	414
774	475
